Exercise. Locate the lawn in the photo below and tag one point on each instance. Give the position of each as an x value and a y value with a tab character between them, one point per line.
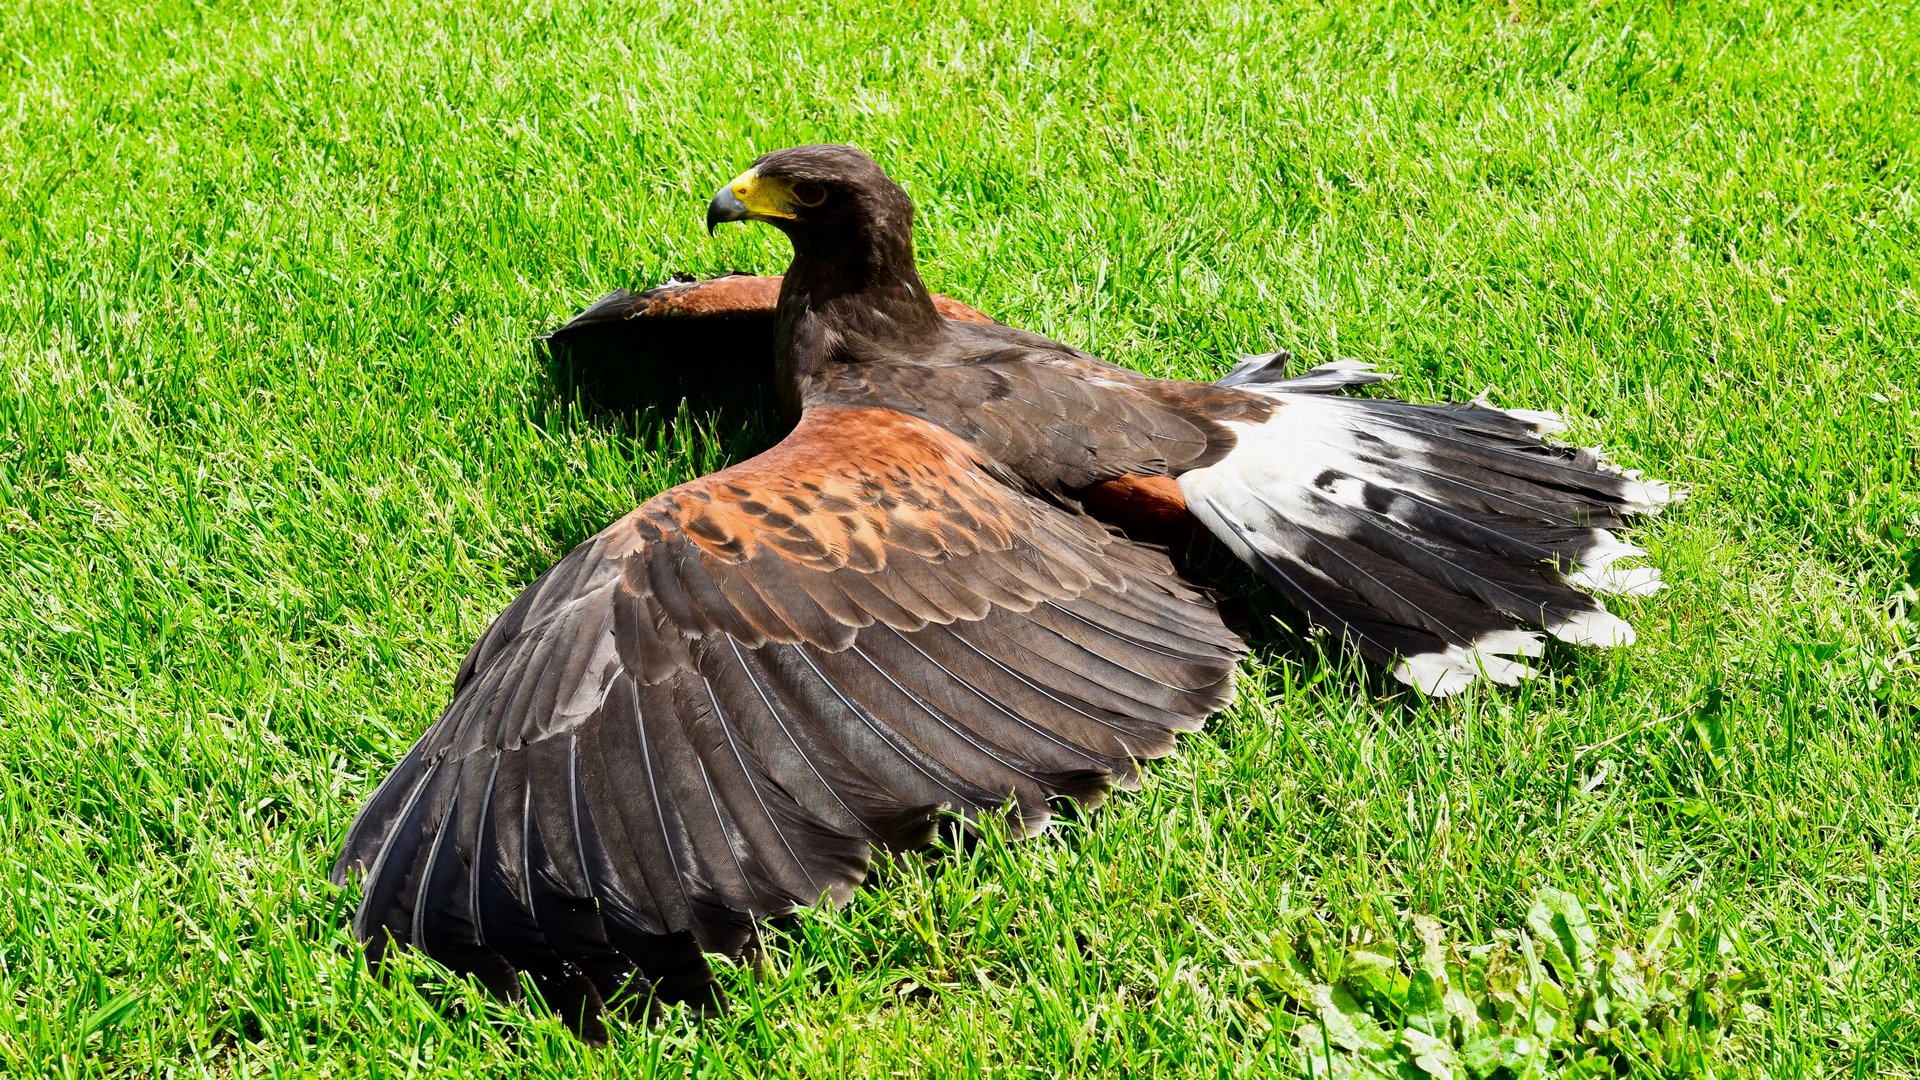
276	442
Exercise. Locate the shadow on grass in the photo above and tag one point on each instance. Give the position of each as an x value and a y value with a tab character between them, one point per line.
617	369
702	385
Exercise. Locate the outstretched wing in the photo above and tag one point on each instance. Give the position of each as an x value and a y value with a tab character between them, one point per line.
714	710
741	296
708	343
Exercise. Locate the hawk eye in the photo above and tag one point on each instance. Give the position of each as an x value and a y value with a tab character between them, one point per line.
808	193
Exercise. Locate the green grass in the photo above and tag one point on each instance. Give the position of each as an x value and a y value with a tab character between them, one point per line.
275	446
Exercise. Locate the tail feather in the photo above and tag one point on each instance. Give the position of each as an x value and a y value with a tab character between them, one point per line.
1424	535
1267	373
1515	589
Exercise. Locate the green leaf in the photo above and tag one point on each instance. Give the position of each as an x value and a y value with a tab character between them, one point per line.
1320	955
1486	1056
1426	1004
1432	1056
1626	990
1460	1003
111	1014
1375	980
1502	975
1287	974
1564	932
1433	947
1345	1026
1348	1023
1709	725
1547	1017
1547	1000
1672	926
1591	1067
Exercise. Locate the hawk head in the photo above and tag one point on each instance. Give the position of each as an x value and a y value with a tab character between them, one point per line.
820	196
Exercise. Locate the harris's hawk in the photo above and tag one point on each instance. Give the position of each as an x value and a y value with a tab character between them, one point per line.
718	708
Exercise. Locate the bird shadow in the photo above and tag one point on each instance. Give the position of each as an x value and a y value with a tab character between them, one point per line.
700	389
615	370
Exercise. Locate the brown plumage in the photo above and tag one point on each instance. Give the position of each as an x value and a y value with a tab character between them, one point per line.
717	708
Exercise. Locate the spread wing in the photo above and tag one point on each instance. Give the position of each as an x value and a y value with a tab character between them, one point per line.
715	710
708	342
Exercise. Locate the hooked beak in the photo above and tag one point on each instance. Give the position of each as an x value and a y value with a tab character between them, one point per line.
752	197
726	206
